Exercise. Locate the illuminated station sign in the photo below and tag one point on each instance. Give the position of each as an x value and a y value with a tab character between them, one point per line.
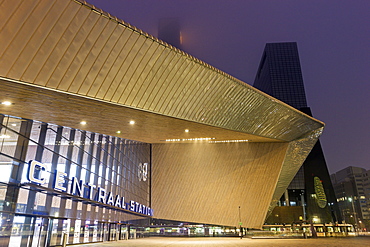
86	190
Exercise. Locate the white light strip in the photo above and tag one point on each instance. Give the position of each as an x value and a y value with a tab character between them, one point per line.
190	139
227	141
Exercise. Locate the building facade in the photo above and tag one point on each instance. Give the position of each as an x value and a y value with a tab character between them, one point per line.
279	75
76	182
352	188
105	128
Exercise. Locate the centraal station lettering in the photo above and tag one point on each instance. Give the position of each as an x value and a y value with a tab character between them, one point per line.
84	190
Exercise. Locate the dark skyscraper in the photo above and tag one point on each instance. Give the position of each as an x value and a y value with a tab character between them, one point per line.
279	75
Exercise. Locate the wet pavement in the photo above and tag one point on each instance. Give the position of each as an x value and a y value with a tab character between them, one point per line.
227	242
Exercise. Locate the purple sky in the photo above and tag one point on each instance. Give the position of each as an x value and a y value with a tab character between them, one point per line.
333	39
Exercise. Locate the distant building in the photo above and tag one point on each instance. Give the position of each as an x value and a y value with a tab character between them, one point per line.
279	75
352	188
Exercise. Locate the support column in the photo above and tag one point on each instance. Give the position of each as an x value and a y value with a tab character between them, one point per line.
32	192
13	189
286	195
303	206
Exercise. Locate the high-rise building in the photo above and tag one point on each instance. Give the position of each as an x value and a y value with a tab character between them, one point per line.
279	75
352	188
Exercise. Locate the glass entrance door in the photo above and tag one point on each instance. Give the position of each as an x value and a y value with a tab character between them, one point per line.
113	232
40	232
29	231
123	232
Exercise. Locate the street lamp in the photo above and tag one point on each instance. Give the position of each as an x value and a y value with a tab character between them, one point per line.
240	225
354	212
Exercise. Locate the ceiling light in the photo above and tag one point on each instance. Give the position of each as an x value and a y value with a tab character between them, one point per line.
4	136
132	122
118	132
6	103
14	125
190	139
227	141
187	131
83	123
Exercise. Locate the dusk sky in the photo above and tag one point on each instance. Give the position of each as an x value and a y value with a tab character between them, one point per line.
333	39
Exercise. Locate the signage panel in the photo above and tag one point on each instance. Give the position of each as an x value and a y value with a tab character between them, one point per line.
89	191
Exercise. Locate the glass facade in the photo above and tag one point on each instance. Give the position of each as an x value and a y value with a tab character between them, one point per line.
61	183
279	74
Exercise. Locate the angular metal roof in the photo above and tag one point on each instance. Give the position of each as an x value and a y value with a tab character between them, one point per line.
71	47
64	61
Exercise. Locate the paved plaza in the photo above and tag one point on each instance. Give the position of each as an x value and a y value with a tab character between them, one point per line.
207	242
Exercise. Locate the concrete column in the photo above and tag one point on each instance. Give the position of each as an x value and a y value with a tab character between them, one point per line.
286	195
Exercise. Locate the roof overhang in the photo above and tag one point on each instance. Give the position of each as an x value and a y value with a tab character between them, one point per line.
66	61
64	109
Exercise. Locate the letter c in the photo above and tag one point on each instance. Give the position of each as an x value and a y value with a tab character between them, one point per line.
31	175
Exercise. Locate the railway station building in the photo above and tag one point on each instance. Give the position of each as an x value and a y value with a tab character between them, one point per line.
105	129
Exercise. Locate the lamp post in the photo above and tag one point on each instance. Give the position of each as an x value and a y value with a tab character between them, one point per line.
354	212
240	225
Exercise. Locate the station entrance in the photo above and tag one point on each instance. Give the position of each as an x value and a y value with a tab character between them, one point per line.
38	231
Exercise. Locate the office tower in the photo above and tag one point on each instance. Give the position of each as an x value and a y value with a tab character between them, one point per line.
352	188
279	75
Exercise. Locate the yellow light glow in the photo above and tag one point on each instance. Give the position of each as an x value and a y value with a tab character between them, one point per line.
118	132
227	141
190	139
6	103
132	122
187	131
83	122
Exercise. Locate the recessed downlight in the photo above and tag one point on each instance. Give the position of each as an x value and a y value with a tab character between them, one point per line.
187	130
83	122
6	103
227	141
132	122
190	139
